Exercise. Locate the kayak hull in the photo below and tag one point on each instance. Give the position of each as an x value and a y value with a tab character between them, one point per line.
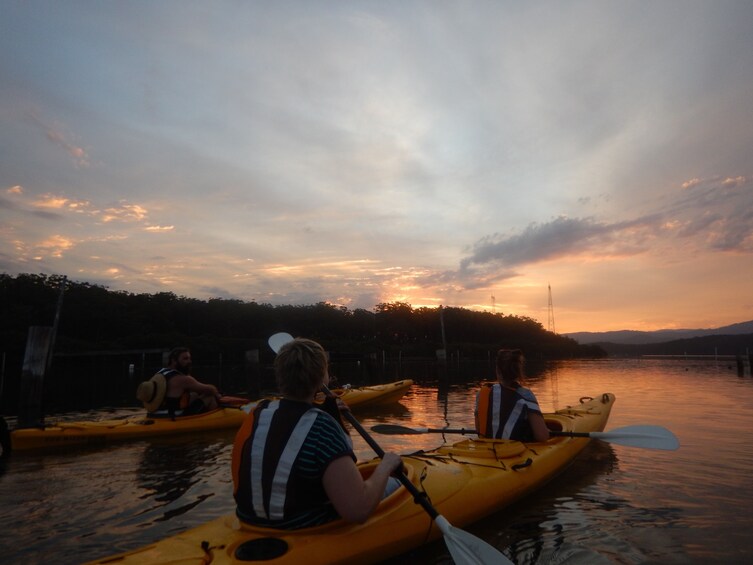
101	432
133	428
464	481
375	395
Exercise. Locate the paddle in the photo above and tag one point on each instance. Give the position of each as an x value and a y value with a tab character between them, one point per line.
463	547
649	437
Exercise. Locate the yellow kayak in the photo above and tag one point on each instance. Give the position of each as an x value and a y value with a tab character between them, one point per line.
374	395
464	481
160	424
132	428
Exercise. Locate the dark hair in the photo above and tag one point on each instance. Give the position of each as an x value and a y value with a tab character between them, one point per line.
176	352
510	364
300	367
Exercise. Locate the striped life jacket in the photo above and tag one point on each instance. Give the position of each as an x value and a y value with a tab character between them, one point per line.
502	412
169	403
266	488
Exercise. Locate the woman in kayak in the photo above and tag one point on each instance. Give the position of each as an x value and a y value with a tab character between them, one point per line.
293	463
507	409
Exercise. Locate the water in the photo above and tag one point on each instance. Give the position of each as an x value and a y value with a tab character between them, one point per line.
615	504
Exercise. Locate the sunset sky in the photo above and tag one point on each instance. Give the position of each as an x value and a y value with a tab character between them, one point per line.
464	153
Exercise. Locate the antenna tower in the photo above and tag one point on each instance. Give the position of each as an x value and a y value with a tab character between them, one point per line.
551	312
493	305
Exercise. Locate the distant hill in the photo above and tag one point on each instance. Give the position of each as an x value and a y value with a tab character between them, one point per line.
736	339
631	337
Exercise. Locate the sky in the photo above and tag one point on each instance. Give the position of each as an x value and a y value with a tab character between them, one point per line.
471	154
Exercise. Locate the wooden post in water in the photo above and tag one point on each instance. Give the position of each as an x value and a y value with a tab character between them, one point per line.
253	373
40	346
37	354
443	377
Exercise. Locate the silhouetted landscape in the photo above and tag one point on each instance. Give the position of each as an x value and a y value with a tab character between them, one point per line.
106	341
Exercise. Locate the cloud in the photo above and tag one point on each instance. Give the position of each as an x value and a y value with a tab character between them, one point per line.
713	214
7	204
54	246
561	237
124	213
55	135
717	209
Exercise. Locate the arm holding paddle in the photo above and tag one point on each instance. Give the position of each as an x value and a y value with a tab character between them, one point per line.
538	427
354	498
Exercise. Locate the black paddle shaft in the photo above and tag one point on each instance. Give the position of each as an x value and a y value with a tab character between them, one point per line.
418	496
569	434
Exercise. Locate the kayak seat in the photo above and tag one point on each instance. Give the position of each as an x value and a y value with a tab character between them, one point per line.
261	549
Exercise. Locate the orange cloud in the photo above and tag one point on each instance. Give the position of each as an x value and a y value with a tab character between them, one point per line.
691	183
18	189
125	213
60	202
56	245
737	181
159	228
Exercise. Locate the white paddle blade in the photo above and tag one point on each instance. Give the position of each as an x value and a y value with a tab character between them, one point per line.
277	340
650	437
467	549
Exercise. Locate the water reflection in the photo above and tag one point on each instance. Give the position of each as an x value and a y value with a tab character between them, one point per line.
169	469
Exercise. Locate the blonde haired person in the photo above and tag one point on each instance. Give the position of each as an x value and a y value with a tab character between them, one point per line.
507	409
293	463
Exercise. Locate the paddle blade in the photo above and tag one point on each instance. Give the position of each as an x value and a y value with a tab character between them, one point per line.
649	437
277	340
467	549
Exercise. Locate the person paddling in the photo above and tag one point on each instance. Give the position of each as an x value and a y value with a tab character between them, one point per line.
293	464
174	389
507	409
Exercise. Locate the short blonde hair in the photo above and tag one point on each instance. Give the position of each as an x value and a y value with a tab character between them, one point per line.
300	368
510	365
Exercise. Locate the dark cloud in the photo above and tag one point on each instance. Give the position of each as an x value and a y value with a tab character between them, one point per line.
717	212
561	237
217	292
46	215
8	204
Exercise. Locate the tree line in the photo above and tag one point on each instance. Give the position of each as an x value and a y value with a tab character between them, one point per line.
94	318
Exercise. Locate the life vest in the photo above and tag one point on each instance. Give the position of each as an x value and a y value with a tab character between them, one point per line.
263	465
171	403
502	412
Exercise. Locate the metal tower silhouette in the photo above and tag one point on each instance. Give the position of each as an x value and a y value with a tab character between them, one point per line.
551	312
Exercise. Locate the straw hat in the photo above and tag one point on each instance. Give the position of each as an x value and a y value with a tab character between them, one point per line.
152	392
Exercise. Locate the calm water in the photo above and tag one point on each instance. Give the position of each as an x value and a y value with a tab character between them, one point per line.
613	505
